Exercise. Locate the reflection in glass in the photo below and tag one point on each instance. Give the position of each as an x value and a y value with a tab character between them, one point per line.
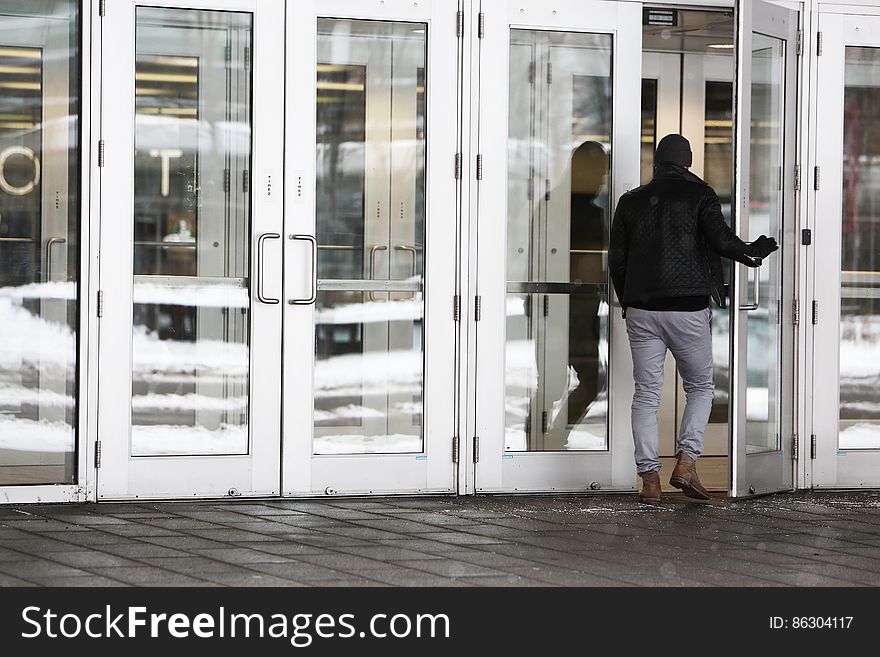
860	253
649	129
764	355
718	173
190	356
370	227
39	240
559	144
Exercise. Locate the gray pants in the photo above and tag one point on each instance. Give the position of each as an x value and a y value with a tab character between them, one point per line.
687	336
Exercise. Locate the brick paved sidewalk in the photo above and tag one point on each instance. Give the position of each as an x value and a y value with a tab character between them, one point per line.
824	539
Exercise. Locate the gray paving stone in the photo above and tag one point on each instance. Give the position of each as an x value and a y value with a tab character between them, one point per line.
449	568
248	579
150	576
39	567
297	570
9	580
90	559
89	580
387	552
286	548
806	539
241	555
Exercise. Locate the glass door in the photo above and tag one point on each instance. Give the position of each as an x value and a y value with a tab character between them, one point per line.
762	330
39	241
553	367
846	429
190	332
369	338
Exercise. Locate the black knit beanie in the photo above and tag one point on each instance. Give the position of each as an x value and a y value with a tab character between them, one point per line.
674	149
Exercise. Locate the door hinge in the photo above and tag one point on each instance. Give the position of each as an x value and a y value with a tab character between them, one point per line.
546	305
456	308
100	303
549	73
100	152
459	24
545	421
819	44
816	178
481	25
530	189
227	56
479	166
796	312
779	179
458	166
547	189
815	312
456	449
797	177
794	447
531	72
226	177
97	454
102	8
247	57
812	446
245	180
478	307
779	311
476	449
806	236
800	42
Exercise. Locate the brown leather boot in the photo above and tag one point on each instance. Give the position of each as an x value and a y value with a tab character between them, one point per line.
684	477
650	492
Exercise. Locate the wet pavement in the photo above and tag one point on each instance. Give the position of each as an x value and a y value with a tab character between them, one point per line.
804	539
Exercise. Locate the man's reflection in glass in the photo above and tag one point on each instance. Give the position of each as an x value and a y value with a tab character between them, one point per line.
588	262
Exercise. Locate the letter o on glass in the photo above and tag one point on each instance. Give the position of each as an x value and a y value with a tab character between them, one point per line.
27	188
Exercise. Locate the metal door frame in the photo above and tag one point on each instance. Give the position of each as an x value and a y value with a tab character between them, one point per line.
831	466
495	469
434	469
769	471
257	472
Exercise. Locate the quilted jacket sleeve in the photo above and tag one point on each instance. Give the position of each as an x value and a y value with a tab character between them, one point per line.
719	237
618	246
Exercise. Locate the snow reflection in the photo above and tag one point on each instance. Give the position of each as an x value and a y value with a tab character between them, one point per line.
365	402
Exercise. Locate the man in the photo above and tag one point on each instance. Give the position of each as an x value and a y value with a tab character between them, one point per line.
667	240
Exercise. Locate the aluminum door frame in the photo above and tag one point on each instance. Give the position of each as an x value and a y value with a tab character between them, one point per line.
433	470
122	476
768	471
833	467
495	469
87	321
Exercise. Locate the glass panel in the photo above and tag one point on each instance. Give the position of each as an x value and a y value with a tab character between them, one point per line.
718	173
860	253
190	354
39	240
649	129
559	147
766	132
370	207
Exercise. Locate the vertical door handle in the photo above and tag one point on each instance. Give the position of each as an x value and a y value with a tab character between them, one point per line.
413	251
314	293
49	243
756	290
260	277
373	249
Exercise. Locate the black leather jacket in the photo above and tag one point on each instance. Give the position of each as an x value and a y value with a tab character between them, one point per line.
667	239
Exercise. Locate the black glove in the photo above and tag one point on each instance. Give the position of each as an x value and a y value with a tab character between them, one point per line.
762	247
